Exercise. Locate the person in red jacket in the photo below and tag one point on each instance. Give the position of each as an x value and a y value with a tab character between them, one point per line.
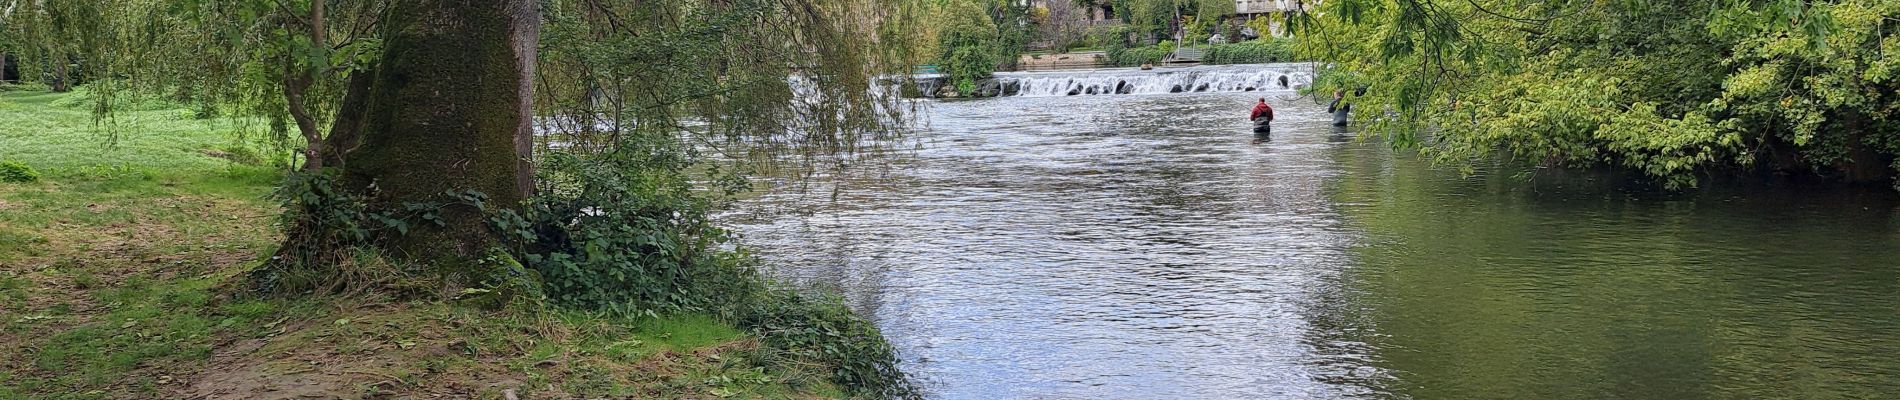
1262	117
1261	110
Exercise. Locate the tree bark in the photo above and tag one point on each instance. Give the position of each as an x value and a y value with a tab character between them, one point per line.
294	87
3	66
448	109
59	74
345	131
297	81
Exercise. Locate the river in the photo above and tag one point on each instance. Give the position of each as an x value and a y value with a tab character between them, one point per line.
1140	247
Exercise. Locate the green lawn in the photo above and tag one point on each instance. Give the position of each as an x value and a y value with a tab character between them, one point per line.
58	134
115	269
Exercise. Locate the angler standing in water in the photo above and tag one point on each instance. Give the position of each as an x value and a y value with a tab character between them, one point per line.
1262	117
1342	111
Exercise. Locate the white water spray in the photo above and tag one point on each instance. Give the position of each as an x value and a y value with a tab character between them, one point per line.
1223	78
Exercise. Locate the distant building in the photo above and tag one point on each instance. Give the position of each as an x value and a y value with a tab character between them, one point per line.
1253	8
1245	10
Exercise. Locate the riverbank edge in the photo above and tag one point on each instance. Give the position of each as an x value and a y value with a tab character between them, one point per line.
113	271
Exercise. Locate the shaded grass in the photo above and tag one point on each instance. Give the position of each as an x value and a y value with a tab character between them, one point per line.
178	338
112	277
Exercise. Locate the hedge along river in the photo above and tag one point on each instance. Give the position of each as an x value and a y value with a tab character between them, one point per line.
1139	247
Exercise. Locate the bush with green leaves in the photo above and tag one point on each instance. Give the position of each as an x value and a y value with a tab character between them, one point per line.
1123	56
23	87
628	231
14	171
1250	52
1674	90
823	329
624	230
970	49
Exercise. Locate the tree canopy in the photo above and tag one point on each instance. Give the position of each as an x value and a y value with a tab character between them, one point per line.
507	152
608	63
1673	89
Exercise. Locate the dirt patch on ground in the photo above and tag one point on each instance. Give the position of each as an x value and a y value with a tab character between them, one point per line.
356	351
296	362
266	381
157	240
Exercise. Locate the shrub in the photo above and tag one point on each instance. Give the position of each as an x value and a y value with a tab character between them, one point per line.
824	330
626	231
24	87
970	46
1123	56
1250	52
14	171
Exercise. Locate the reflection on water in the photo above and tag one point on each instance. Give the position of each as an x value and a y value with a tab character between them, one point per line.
1496	288
1140	247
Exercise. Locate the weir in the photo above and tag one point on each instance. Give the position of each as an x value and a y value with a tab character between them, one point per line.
1197	79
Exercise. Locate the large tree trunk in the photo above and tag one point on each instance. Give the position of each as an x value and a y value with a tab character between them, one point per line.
448	109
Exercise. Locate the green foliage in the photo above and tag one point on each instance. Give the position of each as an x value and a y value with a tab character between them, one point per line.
725	69
824	329
1670	89
625	231
623	86
24	87
1158	16
1250	52
971	48
629	232
94	321
969	39
333	229
1264	25
1123	56
330	249
14	171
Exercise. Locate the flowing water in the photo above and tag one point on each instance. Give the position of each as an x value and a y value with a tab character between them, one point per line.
1140	247
1211	78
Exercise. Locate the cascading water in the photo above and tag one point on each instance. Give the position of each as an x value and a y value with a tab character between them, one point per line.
1217	78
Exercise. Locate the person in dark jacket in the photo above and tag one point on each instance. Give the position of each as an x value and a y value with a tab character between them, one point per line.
1342	111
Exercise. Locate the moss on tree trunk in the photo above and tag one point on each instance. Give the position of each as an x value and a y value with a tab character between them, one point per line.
448	109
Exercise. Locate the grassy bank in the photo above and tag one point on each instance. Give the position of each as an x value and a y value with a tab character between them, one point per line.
114	272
